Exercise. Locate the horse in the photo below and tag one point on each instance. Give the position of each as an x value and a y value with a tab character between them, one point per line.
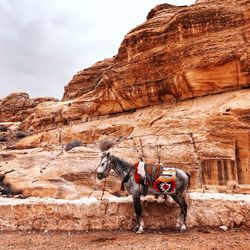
126	172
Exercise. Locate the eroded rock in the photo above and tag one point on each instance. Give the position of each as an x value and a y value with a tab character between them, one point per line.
179	53
172	93
17	106
209	135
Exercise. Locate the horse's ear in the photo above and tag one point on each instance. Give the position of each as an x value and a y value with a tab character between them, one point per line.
108	154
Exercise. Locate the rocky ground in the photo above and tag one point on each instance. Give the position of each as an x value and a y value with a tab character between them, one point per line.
195	239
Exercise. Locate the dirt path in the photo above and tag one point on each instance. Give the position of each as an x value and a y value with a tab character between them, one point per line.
193	239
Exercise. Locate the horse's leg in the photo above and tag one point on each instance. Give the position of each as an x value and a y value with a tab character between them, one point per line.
181	221
138	210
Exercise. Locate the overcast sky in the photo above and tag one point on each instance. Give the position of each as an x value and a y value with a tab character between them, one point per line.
43	43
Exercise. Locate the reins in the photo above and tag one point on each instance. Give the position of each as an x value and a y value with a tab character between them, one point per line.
103	190
94	188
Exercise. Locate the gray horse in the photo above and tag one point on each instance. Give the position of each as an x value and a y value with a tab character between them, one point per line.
126	172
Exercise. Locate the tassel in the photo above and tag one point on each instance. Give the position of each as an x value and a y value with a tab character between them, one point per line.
125	180
122	186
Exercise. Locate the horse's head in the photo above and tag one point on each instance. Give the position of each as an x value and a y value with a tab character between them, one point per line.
104	166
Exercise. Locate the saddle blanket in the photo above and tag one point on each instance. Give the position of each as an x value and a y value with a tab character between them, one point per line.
162	180
166	183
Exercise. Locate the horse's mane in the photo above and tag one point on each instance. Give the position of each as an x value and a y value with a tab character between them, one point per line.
124	164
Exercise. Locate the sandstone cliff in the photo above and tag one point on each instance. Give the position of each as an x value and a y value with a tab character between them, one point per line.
208	137
177	90
17	106
178	53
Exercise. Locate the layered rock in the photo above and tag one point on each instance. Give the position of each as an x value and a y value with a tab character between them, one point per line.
49	173
178	53
17	106
208	137
87	79
9	133
160	97
14	109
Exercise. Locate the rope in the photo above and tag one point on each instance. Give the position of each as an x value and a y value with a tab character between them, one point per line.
103	190
201	177
47	164
158	154
135	147
143	155
94	188
94	185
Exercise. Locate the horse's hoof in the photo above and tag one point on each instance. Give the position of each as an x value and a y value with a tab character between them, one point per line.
136	229
140	231
183	228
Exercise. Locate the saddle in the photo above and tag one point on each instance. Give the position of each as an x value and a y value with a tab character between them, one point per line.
161	178
152	172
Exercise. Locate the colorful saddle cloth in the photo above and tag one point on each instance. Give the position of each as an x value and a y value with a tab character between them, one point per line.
166	183
161	179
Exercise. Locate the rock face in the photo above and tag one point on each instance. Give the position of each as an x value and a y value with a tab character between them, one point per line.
58	174
210	136
17	106
178	53
86	80
9	133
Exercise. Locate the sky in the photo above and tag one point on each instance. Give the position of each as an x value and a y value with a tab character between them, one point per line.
43	43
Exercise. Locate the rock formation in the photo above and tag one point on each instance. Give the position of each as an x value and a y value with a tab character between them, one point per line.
208	137
177	91
17	106
178	53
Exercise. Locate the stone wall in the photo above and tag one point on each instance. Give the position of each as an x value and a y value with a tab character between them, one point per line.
206	210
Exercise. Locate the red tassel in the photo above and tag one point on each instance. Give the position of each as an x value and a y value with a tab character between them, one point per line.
122	186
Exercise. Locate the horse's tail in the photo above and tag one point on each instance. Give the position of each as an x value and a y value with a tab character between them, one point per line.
189	177
187	189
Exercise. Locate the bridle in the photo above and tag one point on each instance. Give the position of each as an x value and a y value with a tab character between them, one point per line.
105	179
